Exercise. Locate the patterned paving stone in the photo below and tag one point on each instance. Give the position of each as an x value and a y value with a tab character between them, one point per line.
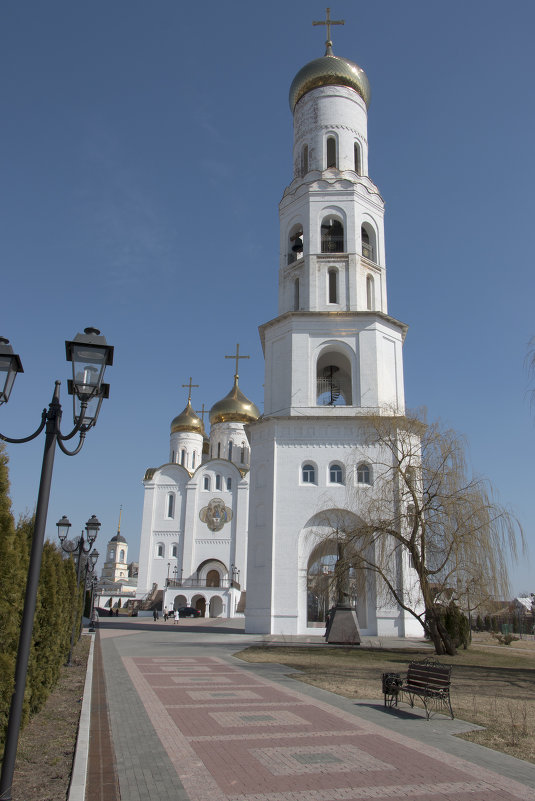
250	739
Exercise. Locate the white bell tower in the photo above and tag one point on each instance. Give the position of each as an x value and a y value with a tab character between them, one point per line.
333	355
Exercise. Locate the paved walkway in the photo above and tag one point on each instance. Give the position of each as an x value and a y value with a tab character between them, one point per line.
191	723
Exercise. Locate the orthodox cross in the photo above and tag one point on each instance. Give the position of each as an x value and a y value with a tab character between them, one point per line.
237	357
202	412
328	22
189	386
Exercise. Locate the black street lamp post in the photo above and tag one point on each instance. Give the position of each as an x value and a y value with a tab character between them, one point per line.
80	547
90	355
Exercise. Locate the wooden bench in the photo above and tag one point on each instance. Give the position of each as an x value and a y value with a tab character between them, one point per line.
428	680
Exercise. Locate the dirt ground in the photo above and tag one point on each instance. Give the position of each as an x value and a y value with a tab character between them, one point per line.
492	685
46	745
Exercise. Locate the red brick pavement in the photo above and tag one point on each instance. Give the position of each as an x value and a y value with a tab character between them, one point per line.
234	736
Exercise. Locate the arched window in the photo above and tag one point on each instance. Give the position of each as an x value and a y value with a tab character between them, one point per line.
183	458
207	482
363	473
332	277
309	474
230	451
218	450
370	293
332	236
173	457
121	556
244	453
336	475
296	294
159	550
229	484
174	550
170	505
369	250
111	555
295	243
358	160
213	578
218	482
304	160
333	380
331	152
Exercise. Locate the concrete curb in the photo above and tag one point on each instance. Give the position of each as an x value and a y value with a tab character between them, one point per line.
81	754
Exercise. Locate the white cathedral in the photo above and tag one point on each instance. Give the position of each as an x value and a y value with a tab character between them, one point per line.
234	524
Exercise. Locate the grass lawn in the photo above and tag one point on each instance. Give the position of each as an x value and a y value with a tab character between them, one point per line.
492	685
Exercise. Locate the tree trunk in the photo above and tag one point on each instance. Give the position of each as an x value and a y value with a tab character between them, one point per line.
438	634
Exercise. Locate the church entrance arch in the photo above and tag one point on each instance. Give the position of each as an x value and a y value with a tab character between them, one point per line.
211	572
213	578
180	600
319	548
215	608
199	602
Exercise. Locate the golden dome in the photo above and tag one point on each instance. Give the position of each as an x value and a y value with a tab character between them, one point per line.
187	421
234	408
330	70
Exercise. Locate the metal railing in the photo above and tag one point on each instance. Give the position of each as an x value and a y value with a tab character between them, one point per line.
197	582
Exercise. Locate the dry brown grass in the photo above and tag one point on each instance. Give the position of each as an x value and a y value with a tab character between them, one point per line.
492	685
46	746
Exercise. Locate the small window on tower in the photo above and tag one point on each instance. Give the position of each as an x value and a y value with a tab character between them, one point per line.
370	293
174	550
159	552
304	160
358	162
183	458
207	482
333	282
193	460
363	473
331	152
229	484
218	450
121	556
309	474
170	505
218	482
230	451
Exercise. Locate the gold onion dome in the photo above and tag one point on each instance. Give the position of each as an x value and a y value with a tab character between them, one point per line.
187	421
330	70
234	408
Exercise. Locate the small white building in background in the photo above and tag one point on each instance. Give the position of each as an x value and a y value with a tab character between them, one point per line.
116	585
218	517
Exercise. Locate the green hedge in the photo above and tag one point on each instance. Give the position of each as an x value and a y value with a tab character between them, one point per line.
57	596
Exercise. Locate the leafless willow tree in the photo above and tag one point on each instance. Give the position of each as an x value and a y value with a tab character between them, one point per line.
430	532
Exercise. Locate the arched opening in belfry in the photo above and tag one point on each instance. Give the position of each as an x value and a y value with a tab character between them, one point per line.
369	243
333	379
295	243
332	235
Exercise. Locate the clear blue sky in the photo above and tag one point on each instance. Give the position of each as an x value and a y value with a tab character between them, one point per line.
145	148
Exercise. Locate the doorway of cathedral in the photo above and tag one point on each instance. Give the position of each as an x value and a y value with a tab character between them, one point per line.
213	578
215	608
199	603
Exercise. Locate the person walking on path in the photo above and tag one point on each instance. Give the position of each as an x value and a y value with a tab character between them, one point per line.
177	617
165	614
155	615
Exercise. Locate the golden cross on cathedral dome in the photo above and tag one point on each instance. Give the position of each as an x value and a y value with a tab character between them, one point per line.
202	412
328	22
237	357
190	386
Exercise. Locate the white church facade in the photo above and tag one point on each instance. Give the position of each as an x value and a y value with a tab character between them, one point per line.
333	358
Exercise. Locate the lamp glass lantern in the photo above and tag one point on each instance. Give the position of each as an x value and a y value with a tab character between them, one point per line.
90	354
10	365
63	528
92	526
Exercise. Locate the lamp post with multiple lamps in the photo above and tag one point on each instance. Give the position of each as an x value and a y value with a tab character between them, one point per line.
90	355
79	547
